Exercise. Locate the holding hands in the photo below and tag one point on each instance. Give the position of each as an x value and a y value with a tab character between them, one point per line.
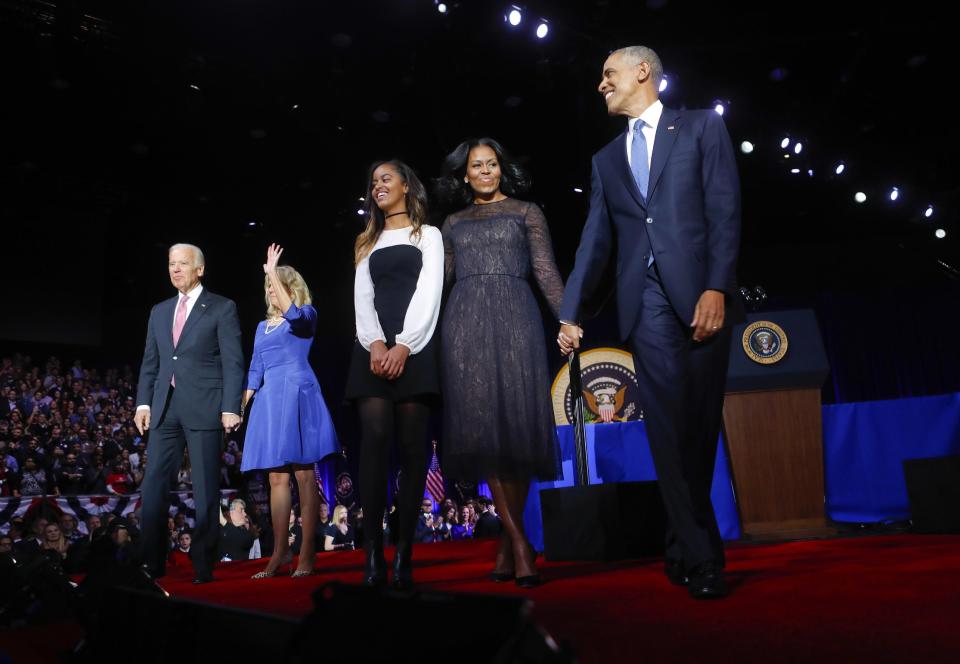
569	338
230	421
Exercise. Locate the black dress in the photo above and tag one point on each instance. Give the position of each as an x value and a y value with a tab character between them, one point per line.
397	293
498	415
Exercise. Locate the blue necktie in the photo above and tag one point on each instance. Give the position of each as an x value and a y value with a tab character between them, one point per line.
639	166
638	158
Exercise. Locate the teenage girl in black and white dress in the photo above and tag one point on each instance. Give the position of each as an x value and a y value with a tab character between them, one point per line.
394	372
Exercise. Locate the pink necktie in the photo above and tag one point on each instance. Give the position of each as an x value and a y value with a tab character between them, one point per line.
178	323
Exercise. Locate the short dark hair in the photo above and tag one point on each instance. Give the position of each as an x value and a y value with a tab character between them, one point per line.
454	192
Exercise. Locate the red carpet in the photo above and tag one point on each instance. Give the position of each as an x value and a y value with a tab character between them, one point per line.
890	598
879	599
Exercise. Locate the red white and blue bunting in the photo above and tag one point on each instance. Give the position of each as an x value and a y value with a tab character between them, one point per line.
82	507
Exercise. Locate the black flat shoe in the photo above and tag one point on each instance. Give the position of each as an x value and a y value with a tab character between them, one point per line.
707	582
675	572
501	577
528	582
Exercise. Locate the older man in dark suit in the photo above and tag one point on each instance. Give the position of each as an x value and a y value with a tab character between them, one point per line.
189	394
666	192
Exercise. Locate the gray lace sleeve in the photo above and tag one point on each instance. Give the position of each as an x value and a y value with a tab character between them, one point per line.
541	258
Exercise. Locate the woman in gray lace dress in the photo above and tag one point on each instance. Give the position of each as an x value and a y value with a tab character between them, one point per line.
498	417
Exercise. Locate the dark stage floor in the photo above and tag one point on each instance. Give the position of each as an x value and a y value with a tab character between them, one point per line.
880	599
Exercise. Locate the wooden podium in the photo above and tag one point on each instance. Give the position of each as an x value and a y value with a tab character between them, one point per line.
773	427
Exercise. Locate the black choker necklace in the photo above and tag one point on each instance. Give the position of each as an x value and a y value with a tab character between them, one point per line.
394	214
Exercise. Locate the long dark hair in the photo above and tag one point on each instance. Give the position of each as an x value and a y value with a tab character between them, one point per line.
416	200
454	192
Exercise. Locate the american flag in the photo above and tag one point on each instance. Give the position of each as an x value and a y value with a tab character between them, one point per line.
435	478
319	476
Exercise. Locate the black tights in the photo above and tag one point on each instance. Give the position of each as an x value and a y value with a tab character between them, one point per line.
380	421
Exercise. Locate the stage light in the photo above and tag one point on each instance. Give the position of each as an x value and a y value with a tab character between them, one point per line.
798	148
362	199
578	190
719	109
860	197
663	84
785	142
295	107
194	87
515	16
894	194
841	167
542	29
746	147
928	212
360	211
442	8
810	172
795	171
251	223
940	233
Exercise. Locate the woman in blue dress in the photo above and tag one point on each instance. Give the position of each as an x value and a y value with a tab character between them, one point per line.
289	428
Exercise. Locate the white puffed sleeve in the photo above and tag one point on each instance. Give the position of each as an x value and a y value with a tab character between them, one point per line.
368	324
424	308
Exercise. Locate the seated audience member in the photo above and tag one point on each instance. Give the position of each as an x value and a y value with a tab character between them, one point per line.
6	545
55	545
426	529
68	526
340	533
180	556
488	523
464	529
236	535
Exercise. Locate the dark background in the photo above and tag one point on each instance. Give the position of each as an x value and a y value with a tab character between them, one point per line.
127	127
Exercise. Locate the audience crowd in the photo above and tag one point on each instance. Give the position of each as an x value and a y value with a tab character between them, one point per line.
69	432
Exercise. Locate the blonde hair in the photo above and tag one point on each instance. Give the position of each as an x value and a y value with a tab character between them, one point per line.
337	511
293	283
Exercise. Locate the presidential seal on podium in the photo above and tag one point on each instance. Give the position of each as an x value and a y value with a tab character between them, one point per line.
765	342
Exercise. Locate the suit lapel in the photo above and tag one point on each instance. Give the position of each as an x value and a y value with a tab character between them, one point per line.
198	310
165	333
622	166
667	131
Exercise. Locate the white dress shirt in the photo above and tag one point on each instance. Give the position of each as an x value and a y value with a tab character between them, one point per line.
651	118
192	298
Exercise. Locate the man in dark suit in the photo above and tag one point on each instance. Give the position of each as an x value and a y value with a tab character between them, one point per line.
189	393
666	192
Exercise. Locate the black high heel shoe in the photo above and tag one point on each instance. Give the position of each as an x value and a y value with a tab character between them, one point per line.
402	568
375	570
528	582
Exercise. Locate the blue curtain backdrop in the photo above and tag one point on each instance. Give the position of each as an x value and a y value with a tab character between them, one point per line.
865	444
